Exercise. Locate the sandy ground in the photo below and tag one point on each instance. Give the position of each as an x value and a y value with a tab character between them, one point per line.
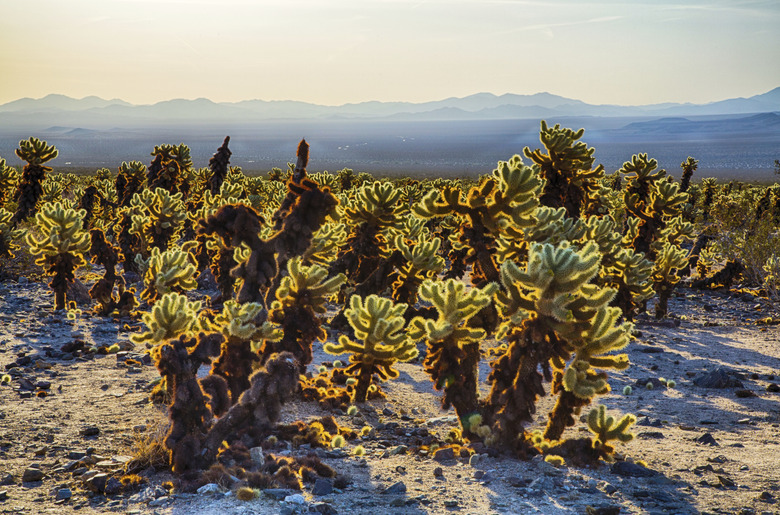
97	407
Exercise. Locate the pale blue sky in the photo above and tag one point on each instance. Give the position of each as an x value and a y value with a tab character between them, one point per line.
334	52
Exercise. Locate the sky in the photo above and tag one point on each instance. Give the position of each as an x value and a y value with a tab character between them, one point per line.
333	52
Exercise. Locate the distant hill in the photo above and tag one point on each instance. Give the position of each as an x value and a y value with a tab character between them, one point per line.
759	123
94	113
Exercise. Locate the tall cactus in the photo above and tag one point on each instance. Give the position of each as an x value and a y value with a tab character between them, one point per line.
36	153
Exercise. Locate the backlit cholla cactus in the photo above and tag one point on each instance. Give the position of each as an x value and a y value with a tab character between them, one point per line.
218	165
453	346
606	428
61	246
171	316
382	341
9	237
170	271
35	152
9	178
301	300
170	163
244	334
129	181
551	314
421	262
159	217
571	181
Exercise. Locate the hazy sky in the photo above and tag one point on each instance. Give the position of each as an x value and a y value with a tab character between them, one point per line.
334	52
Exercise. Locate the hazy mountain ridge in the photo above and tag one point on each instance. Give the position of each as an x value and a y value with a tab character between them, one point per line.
96	112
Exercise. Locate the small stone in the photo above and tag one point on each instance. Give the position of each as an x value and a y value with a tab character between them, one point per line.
721	377
707	439
295	499
8	479
322	507
257	455
276	493
322	487
728	483
113	486
154	503
444	454
63	493
451	503
210	488
479	474
397	488
32	474
97	483
438	472
773	388
744	394
3	495
90	431
474	460
765	496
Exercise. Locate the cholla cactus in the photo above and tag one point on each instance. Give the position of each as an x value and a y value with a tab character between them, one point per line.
61	247
772	278
551	311
422	262
103	290
9	178
571	181
668	261
688	167
170	162
36	153
171	316
607	428
453	346
300	298
160	217
508	198
379	325
129	181
170	271
8	235
219	166
239	324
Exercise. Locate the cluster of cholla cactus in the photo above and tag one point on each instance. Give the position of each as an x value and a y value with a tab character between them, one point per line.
560	258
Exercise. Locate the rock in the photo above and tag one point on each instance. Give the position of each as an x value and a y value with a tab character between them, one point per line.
322	487
651	423
63	493
438	472
113	486
656	435
450	503
474	460
295	499
257	455
397	488
32	474
210	488
629	469
8	479
160	501
707	439
743	393
721	377
97	483
604	509
276	493
322	507
90	431
449	420
766	497
444	454
728	483
773	388
79	293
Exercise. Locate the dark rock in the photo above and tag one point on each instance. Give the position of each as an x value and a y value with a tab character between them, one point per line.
90	431
651	435
438	472
63	493
397	488
602	510
277	494
32	474
743	394
651	423
707	439
76	455
610	489
444	454
721	377
322	507
629	469
766	497
322	487
773	388
97	483
113	486
3	495
8	479
650	350
728	483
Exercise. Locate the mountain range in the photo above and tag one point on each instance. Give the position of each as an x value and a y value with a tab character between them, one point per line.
94	112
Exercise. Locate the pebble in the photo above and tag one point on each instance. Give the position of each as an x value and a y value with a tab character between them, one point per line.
210	488
275	493
629	469
32	474
322	487
445	454
63	493
396	488
707	439
295	499
160	501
